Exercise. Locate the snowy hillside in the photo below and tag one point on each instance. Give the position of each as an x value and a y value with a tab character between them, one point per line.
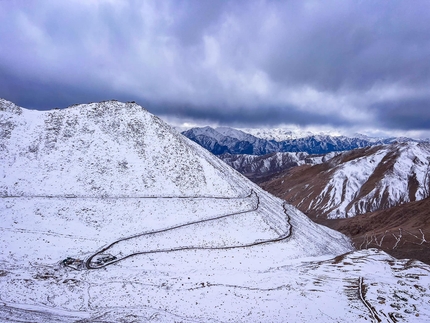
94	150
108	215
359	181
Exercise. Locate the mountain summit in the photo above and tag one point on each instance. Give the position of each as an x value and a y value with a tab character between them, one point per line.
110	215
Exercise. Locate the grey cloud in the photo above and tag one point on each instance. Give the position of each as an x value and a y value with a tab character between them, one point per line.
36	94
194	18
340	44
405	114
244	116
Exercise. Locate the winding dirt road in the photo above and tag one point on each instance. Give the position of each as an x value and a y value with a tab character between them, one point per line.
89	264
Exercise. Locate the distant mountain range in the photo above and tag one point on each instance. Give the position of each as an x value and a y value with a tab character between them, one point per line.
281	134
224	140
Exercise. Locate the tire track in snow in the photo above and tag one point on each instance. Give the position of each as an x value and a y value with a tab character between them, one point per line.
366	303
74	196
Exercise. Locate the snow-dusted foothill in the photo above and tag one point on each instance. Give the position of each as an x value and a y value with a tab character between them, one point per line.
260	168
109	215
400	173
359	181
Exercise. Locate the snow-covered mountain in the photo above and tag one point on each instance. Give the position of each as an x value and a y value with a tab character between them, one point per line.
359	181
228	140
232	141
260	168
281	134
109	215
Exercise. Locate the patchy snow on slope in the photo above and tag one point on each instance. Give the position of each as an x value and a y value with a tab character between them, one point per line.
393	175
96	149
346	182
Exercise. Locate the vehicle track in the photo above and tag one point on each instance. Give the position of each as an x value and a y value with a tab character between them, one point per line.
72	196
88	262
372	311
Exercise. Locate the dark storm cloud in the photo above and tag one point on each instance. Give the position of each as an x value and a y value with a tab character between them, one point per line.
404	114
59	95
335	62
244	116
339	44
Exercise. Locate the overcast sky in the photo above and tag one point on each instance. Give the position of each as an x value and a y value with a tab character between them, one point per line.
358	66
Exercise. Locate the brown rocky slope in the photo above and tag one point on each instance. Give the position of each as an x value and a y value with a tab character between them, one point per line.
402	231
378	196
357	182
